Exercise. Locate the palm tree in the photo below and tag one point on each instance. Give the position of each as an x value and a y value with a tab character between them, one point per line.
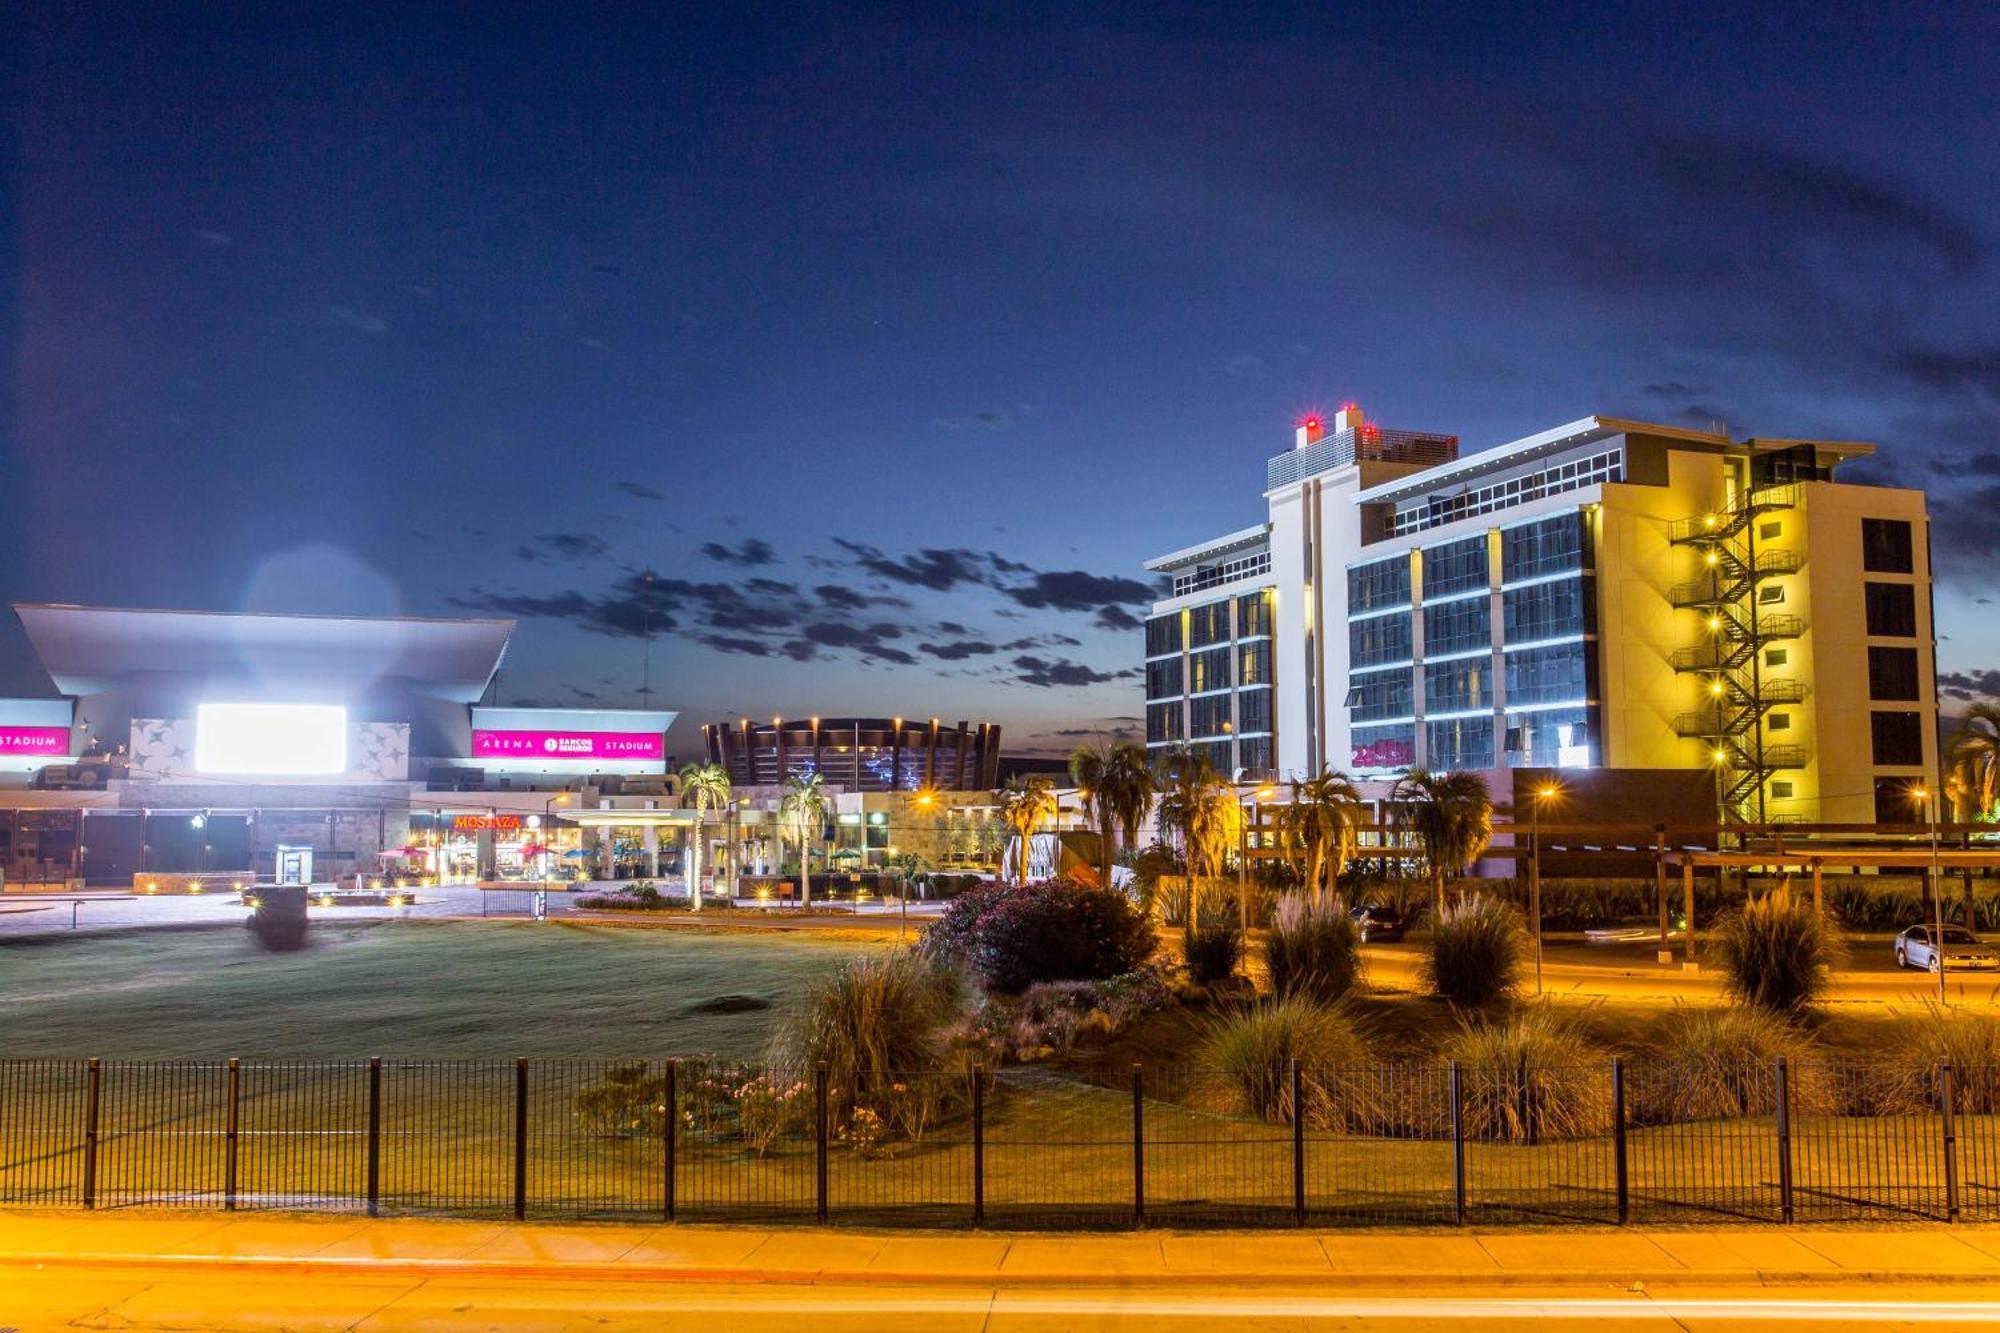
1319	827
803	811
1117	788
1975	758
1452	816
702	786
1024	804
1200	809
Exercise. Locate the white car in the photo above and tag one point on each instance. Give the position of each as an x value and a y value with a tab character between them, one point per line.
1963	950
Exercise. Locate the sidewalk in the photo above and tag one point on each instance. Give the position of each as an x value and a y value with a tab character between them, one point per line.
342	1248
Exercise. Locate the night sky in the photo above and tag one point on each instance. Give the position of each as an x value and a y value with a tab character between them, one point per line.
892	346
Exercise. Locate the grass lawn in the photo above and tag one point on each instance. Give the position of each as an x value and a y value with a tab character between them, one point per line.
409	989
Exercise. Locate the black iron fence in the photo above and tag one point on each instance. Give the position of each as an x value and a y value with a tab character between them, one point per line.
1021	1146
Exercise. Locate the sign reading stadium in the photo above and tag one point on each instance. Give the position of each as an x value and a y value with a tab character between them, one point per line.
34	740
568	745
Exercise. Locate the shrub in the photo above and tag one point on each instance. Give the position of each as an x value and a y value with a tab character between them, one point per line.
874	1019
1055	930
1968	1040
1248	1057
1477	951
1529	1079
1214	950
1777	954
1717	1063
1312	950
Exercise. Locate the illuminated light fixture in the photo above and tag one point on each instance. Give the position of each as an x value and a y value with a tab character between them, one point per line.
1720	755
275	739
1708	521
1709	558
1715	622
199	820
1715	687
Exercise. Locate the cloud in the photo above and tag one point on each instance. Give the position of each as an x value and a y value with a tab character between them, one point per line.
729	643
935	568
372	325
750	551
1969	686
627	612
1061	671
865	641
1117	618
1076	590
639	490
958	650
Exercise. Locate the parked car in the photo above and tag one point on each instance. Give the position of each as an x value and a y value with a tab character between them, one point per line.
1377	922
1963	950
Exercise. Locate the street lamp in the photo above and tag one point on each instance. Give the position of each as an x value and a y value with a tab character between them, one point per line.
1924	795
1548	791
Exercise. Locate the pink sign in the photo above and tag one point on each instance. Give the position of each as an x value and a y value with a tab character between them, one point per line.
569	745
34	740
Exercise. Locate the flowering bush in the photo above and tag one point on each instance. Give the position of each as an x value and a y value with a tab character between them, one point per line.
768	1108
1056	930
864	1132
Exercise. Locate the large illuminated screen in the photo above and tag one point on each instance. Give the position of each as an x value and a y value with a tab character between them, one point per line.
295	740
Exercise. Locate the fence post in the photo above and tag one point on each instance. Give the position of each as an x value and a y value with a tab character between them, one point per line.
1138	1146
93	1088
670	1129
374	1135
1458	1143
820	1129
978	1146
229	1137
1948	1107
1784	1092
520	1138
1298	1145
1618	1140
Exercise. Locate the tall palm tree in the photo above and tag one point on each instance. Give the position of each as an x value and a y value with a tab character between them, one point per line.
1975	758
803	811
703	786
1117	787
1024	804
1452	816
1319	829
1199	809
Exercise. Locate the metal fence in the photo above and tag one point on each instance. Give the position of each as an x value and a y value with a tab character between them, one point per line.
1020	1146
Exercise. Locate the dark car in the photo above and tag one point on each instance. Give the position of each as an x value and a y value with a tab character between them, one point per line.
1378	922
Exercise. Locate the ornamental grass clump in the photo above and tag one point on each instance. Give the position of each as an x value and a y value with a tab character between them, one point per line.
1477	953
1530	1079
1248	1058
1966	1039
1214	950
872	1022
1777	954
1720	1064
1313	949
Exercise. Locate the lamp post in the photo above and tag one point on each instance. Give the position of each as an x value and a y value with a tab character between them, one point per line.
1546	792
1929	798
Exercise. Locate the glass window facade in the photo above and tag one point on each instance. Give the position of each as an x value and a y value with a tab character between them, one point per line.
1892	610
1209	715
1380	749
1552	675
1897	738
1886	546
1378	640
1545	611
1253	711
1892	673
1459	742
1380	695
1208	623
1163	724
1455	567
1550	738
1163	635
1384	583
1551	546
1253	753
1208	670
1253	663
1457	627
1163	678
1253	615
1454	686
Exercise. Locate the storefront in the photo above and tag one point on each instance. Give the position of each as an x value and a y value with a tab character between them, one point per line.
471	846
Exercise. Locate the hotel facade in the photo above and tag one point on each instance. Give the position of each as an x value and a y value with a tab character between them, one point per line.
1605	594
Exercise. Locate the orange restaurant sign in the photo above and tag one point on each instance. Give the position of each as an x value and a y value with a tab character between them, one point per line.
479	823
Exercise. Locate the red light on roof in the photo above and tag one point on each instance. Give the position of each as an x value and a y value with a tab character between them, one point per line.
1349	406
1310	421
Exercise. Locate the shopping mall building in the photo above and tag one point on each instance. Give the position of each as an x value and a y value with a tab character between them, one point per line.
1606	594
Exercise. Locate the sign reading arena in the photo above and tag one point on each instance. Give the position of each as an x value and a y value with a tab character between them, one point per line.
34	740
569	745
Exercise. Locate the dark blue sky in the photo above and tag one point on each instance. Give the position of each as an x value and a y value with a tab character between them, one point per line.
892	345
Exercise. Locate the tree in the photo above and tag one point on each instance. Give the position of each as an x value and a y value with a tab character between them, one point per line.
1318	829
1975	759
803	812
1117	787
1452	816
702	786
1200	809
1024	804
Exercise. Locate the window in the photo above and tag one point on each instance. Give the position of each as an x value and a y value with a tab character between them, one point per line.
1898	738
1456	627
1379	640
1253	755
1550	675
1253	711
1208	670
1384	583
1892	610
1895	805
1163	678
1885	546
1892	673
1452	686
1771	594
1544	611
1163	724
1550	738
1208	623
1455	567
1253	615
1214	576
1432	511
1460	742
1781	722
1770	531
1777	656
1381	694
1551	546
1253	663
1378	749
1781	791
1210	715
1163	635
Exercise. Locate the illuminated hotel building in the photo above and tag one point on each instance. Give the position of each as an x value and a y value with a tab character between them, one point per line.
1606	593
